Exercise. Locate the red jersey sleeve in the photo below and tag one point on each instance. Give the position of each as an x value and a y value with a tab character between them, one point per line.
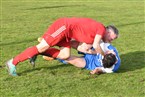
101	30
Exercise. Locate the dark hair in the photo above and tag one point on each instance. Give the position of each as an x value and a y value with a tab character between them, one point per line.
112	27
109	60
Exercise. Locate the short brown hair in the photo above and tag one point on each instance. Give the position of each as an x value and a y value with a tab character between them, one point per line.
109	60
112	27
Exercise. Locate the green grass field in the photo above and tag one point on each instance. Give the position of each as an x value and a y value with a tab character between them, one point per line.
22	21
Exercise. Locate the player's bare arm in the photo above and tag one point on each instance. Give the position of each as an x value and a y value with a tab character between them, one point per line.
96	44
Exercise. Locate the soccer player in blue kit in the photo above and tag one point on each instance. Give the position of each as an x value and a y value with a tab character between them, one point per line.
97	63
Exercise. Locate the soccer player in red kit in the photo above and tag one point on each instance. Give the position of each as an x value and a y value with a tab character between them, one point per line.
83	30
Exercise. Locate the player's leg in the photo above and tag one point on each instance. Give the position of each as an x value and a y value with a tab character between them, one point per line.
26	54
55	33
62	53
64	49
76	61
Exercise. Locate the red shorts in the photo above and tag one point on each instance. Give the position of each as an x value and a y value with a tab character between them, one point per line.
64	43
57	34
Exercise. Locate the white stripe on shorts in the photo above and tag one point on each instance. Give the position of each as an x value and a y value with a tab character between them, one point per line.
57	32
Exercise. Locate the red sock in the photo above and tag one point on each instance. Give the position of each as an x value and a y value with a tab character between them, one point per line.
52	52
28	53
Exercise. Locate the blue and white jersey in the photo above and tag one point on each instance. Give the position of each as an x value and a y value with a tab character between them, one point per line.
95	61
108	46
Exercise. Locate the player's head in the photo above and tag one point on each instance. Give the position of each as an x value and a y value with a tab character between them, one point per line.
110	34
109	60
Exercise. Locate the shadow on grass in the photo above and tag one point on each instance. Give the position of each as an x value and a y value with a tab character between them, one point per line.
46	68
53	7
132	61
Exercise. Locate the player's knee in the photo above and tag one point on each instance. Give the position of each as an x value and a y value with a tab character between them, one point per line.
64	55
42	49
42	46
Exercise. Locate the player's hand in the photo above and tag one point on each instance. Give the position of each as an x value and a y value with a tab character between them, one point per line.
90	51
96	71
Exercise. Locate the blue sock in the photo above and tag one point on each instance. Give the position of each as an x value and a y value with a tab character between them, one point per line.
62	61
